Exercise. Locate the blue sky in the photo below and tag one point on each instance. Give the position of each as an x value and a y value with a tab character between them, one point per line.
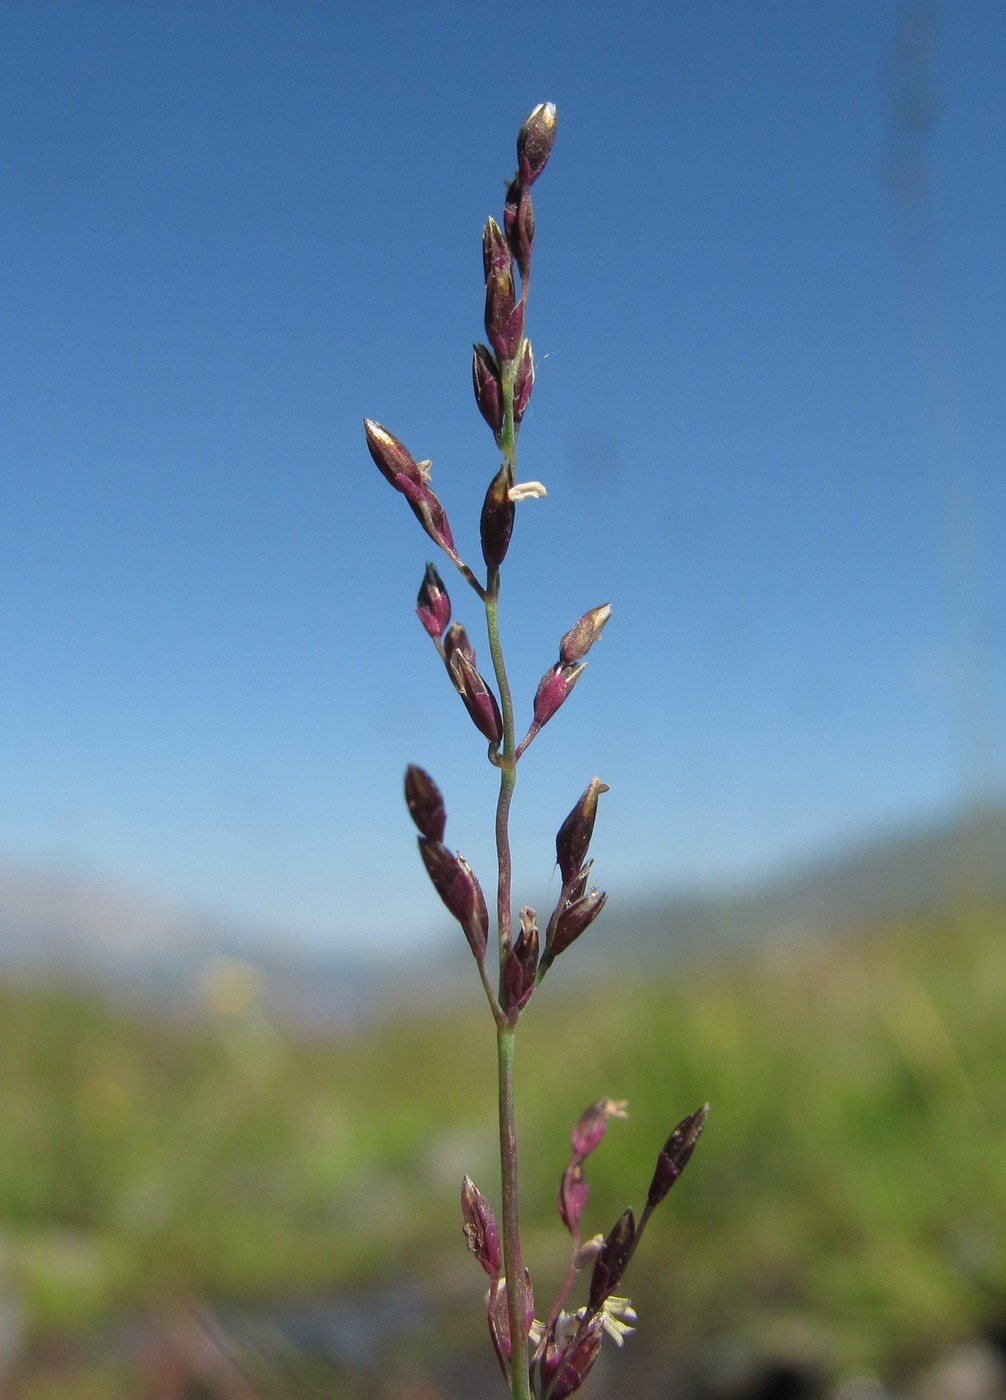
768	315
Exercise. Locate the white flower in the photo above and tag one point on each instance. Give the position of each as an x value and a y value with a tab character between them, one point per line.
527	491
588	1252
618	1318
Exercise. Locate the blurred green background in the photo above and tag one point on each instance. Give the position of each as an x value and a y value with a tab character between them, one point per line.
204	1198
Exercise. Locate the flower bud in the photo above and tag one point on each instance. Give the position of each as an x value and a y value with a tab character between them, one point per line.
581	637
504	314
578	1361
574	920
587	1252
611	1263
495	250
398	466
455	883
518	225
481	1231
535	141
393	459
430	514
488	389
479	700
554	1354
476	928
456	639
523	381
675	1154
592	1124
573	1193
553	690
425	803
499	1326
522	963
433	606
496	525
499	1321
427	510
574	835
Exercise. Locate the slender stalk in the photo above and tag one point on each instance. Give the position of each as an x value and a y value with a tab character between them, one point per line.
506	1031
508	433
520	1386
507	766
506	1028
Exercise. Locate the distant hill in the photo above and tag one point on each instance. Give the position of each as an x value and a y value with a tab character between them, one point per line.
93	930
898	876
95	934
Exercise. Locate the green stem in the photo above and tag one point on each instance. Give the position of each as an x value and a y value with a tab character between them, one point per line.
506	1027
507	766
508	433
520	1385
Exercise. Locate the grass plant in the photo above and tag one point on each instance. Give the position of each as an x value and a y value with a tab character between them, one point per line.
548	1355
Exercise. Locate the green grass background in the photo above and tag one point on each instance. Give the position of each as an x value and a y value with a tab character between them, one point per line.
850	1190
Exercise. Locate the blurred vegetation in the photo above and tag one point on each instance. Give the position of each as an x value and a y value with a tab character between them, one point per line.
850	1188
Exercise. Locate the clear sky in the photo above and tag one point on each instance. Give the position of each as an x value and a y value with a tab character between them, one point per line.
768	311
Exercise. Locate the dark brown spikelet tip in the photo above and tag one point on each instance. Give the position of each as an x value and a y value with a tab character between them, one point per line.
481	1231
433	606
393	459
573	837
675	1154
613	1258
535	141
496	525
425	803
